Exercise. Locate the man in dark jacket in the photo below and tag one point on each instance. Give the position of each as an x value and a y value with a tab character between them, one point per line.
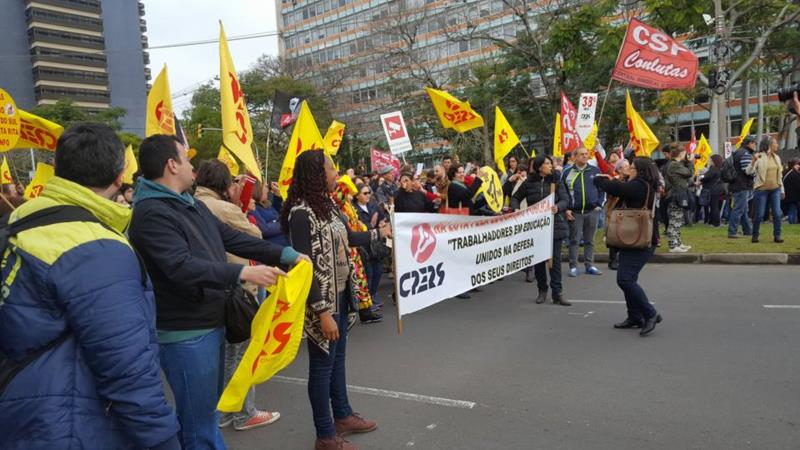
741	189
791	183
585	203
183	246
78	288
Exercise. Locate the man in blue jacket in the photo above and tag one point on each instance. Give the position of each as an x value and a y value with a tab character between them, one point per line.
183	246
585	204
77	289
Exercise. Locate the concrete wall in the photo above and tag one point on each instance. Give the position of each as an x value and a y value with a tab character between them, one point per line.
125	64
16	76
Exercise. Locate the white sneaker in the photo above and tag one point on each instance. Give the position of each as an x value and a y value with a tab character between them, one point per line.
678	250
687	247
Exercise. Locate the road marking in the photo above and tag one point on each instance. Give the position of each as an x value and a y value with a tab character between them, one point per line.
782	306
607	302
440	401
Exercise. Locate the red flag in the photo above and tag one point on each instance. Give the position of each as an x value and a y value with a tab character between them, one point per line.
381	160
651	59
691	145
570	140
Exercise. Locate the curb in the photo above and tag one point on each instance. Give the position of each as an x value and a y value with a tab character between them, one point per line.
718	258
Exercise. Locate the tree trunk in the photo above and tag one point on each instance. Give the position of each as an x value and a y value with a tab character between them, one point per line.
760	106
745	100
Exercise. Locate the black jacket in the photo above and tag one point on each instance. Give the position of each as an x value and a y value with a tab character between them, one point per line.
791	184
184	249
412	202
632	194
460	196
712	181
741	160
536	189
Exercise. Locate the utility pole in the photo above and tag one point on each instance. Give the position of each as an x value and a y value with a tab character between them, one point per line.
719	108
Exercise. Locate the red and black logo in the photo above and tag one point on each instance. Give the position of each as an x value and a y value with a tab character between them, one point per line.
423	242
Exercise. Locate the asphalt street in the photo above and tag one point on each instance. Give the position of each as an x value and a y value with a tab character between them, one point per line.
721	371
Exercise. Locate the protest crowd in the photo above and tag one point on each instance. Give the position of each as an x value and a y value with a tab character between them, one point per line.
185	252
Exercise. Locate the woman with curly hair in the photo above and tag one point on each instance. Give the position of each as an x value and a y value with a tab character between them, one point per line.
317	228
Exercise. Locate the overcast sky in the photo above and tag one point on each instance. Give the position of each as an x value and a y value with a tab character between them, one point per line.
171	22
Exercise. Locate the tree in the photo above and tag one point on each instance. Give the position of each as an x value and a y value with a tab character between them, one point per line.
66	114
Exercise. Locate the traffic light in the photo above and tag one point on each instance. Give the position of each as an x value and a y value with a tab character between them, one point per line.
199	131
712	78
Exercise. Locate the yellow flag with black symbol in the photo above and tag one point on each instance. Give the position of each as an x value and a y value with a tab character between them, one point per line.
333	138
643	140
491	188
453	113
702	154
275	336
505	139
37	132
5	173
557	137
160	118
237	133
226	157
745	131
305	136
131	165
43	174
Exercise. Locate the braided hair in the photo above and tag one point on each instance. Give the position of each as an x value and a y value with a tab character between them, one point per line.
309	187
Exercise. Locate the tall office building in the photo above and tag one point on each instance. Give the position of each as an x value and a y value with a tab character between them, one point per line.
89	51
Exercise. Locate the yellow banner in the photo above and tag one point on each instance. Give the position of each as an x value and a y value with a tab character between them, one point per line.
237	133
491	188
160	118
37	132
702	154
557	137
5	173
453	113
229	161
43	174
275	337
131	165
9	122
305	136
333	138
642	138
505	139
745	131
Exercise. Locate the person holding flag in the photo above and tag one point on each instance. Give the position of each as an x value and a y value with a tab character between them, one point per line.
317	228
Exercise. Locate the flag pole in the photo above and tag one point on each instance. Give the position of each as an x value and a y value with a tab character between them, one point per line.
269	134
394	271
611	80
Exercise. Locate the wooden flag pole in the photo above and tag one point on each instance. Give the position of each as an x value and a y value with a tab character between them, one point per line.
552	191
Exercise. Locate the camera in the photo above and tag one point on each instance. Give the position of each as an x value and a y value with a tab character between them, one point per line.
786	95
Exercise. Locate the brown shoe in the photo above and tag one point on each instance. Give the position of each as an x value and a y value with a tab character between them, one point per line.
354	424
334	443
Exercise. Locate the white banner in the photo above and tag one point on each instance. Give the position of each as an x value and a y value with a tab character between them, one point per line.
396	133
439	256
586	110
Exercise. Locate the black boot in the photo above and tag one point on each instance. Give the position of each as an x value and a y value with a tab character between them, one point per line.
542	297
529	276
628	323
369	316
558	299
650	325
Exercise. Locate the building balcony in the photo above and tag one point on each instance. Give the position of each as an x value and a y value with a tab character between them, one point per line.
62	57
69	76
146	58
65	38
92	6
141	9
34	14
74	94
144	41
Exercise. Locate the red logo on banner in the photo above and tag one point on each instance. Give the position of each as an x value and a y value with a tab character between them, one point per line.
651	59
381	160
394	124
423	242
569	115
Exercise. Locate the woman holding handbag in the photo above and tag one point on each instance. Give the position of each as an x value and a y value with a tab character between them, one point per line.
637	193
316	226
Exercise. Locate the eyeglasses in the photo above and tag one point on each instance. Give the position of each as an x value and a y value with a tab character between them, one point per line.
366	193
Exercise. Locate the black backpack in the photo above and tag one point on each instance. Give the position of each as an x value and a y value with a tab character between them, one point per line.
729	171
48	216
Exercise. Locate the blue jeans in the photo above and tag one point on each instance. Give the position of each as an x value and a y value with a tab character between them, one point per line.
740	213
374	270
540	271
791	212
631	262
762	199
327	386
194	372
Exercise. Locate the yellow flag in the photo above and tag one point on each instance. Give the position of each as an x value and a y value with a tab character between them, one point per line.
275	337
642	138
131	165
237	133
702	154
745	132
43	174
453	113
557	137
333	138
491	188
305	136
37	132
159	118
505	139
229	161
5	173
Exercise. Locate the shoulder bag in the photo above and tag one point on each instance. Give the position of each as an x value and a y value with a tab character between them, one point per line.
631	228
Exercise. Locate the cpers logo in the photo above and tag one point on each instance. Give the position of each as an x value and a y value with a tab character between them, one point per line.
423	242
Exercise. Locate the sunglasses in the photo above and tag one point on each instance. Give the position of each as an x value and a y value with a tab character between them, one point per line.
366	193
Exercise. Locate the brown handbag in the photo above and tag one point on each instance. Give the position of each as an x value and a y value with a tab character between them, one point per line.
631	228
